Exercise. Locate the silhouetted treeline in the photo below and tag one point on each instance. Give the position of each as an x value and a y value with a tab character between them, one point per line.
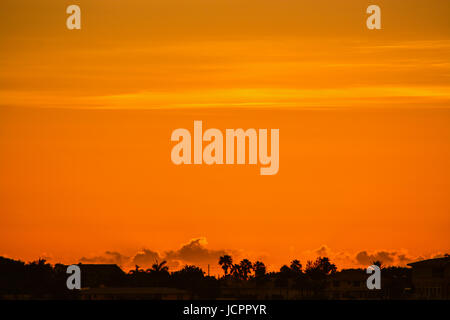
37	278
243	279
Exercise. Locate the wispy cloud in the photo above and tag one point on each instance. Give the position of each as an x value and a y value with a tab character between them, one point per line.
244	98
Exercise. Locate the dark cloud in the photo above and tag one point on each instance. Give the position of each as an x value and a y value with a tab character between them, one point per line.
323	251
367	259
364	258
392	258
440	255
386	257
403	259
146	258
109	257
195	252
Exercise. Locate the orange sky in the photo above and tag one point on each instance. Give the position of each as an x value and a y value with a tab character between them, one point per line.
86	118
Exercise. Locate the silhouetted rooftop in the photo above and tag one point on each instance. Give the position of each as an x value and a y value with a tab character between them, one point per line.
100	267
437	262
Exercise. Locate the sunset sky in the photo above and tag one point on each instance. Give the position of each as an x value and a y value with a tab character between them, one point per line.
86	117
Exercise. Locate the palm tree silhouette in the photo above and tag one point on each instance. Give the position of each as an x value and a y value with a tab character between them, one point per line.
296	266
226	262
259	268
159	267
246	267
321	267
236	271
378	263
136	270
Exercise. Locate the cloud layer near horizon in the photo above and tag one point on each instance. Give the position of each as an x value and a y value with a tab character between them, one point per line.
196	252
193	252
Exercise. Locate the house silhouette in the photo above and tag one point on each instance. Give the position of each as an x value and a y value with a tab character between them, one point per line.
431	278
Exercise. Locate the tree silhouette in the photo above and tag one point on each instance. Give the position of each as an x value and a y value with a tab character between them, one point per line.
260	269
188	275
39	279
378	263
236	271
296	267
226	262
159	267
246	267
136	270
320	268
285	270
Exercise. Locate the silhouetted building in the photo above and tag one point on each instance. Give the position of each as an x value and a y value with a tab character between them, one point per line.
431	278
347	284
268	291
101	275
145	293
259	293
